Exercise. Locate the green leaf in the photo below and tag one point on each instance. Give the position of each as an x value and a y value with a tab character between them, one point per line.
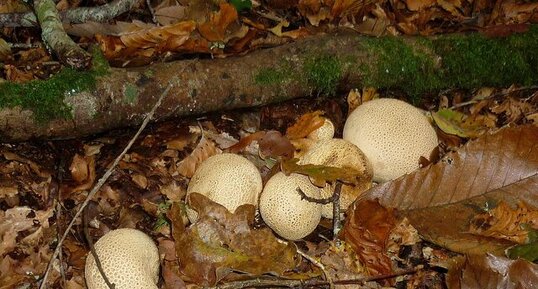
527	251
241	5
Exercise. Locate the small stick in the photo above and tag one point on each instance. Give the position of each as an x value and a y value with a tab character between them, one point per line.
336	210
473	101
319	265
85	222
312	282
322	201
101	182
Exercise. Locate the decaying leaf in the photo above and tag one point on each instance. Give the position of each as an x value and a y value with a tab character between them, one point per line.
273	144
367	230
457	123
17	220
488	271
203	150
505	222
220	244
79	168
215	28
306	124
441	199
322	174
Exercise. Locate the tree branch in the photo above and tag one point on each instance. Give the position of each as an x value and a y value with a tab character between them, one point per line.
78	15
54	36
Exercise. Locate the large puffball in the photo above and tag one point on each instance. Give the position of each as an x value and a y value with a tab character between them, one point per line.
392	134
282	208
227	179
130	260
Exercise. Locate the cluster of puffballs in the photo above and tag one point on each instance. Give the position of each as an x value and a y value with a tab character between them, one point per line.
383	139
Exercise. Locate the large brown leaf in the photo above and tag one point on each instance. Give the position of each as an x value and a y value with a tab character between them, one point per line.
221	243
491	272
441	199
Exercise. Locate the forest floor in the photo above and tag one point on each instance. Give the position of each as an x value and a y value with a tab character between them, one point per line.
465	218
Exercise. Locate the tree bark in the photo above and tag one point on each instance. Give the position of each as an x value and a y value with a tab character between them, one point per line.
307	68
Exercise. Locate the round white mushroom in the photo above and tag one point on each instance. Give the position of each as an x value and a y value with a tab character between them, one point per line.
130	259
392	134
326	131
227	179
282	208
341	154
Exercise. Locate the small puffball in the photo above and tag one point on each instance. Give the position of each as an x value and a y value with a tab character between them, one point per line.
282	208
227	179
130	260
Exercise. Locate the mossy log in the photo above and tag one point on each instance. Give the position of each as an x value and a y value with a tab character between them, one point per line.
74	104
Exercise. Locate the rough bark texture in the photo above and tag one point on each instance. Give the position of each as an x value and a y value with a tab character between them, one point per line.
326	64
123	97
54	35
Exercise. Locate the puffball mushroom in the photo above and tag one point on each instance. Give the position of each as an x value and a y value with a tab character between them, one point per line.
392	134
130	259
326	131
227	179
341	154
282	208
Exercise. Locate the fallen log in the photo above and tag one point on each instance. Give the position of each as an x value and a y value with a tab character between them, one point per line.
319	65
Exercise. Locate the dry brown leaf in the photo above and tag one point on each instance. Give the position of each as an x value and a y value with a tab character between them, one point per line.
415	5
140	180
505	222
221	243
79	168
367	230
306	124
441	199
24	221
201	152
154	36
273	144
491	272
215	28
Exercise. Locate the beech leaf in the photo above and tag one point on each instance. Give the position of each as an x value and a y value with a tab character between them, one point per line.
220	244
441	199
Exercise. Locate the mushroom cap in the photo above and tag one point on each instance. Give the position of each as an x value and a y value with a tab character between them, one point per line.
130	259
392	134
227	179
282	208
340	153
326	131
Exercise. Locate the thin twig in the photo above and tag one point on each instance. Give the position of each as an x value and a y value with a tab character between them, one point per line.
101	182
322	201
319	265
312	282
151	11
502	93
59	178
336	209
85	221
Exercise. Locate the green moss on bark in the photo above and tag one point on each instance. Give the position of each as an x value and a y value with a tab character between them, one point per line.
465	61
323	73
45	98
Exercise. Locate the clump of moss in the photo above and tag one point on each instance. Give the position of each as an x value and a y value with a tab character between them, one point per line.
45	98
270	76
451	61
475	60
399	66
323	73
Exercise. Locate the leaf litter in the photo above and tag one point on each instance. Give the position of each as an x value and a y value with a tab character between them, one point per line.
478	198
401	232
